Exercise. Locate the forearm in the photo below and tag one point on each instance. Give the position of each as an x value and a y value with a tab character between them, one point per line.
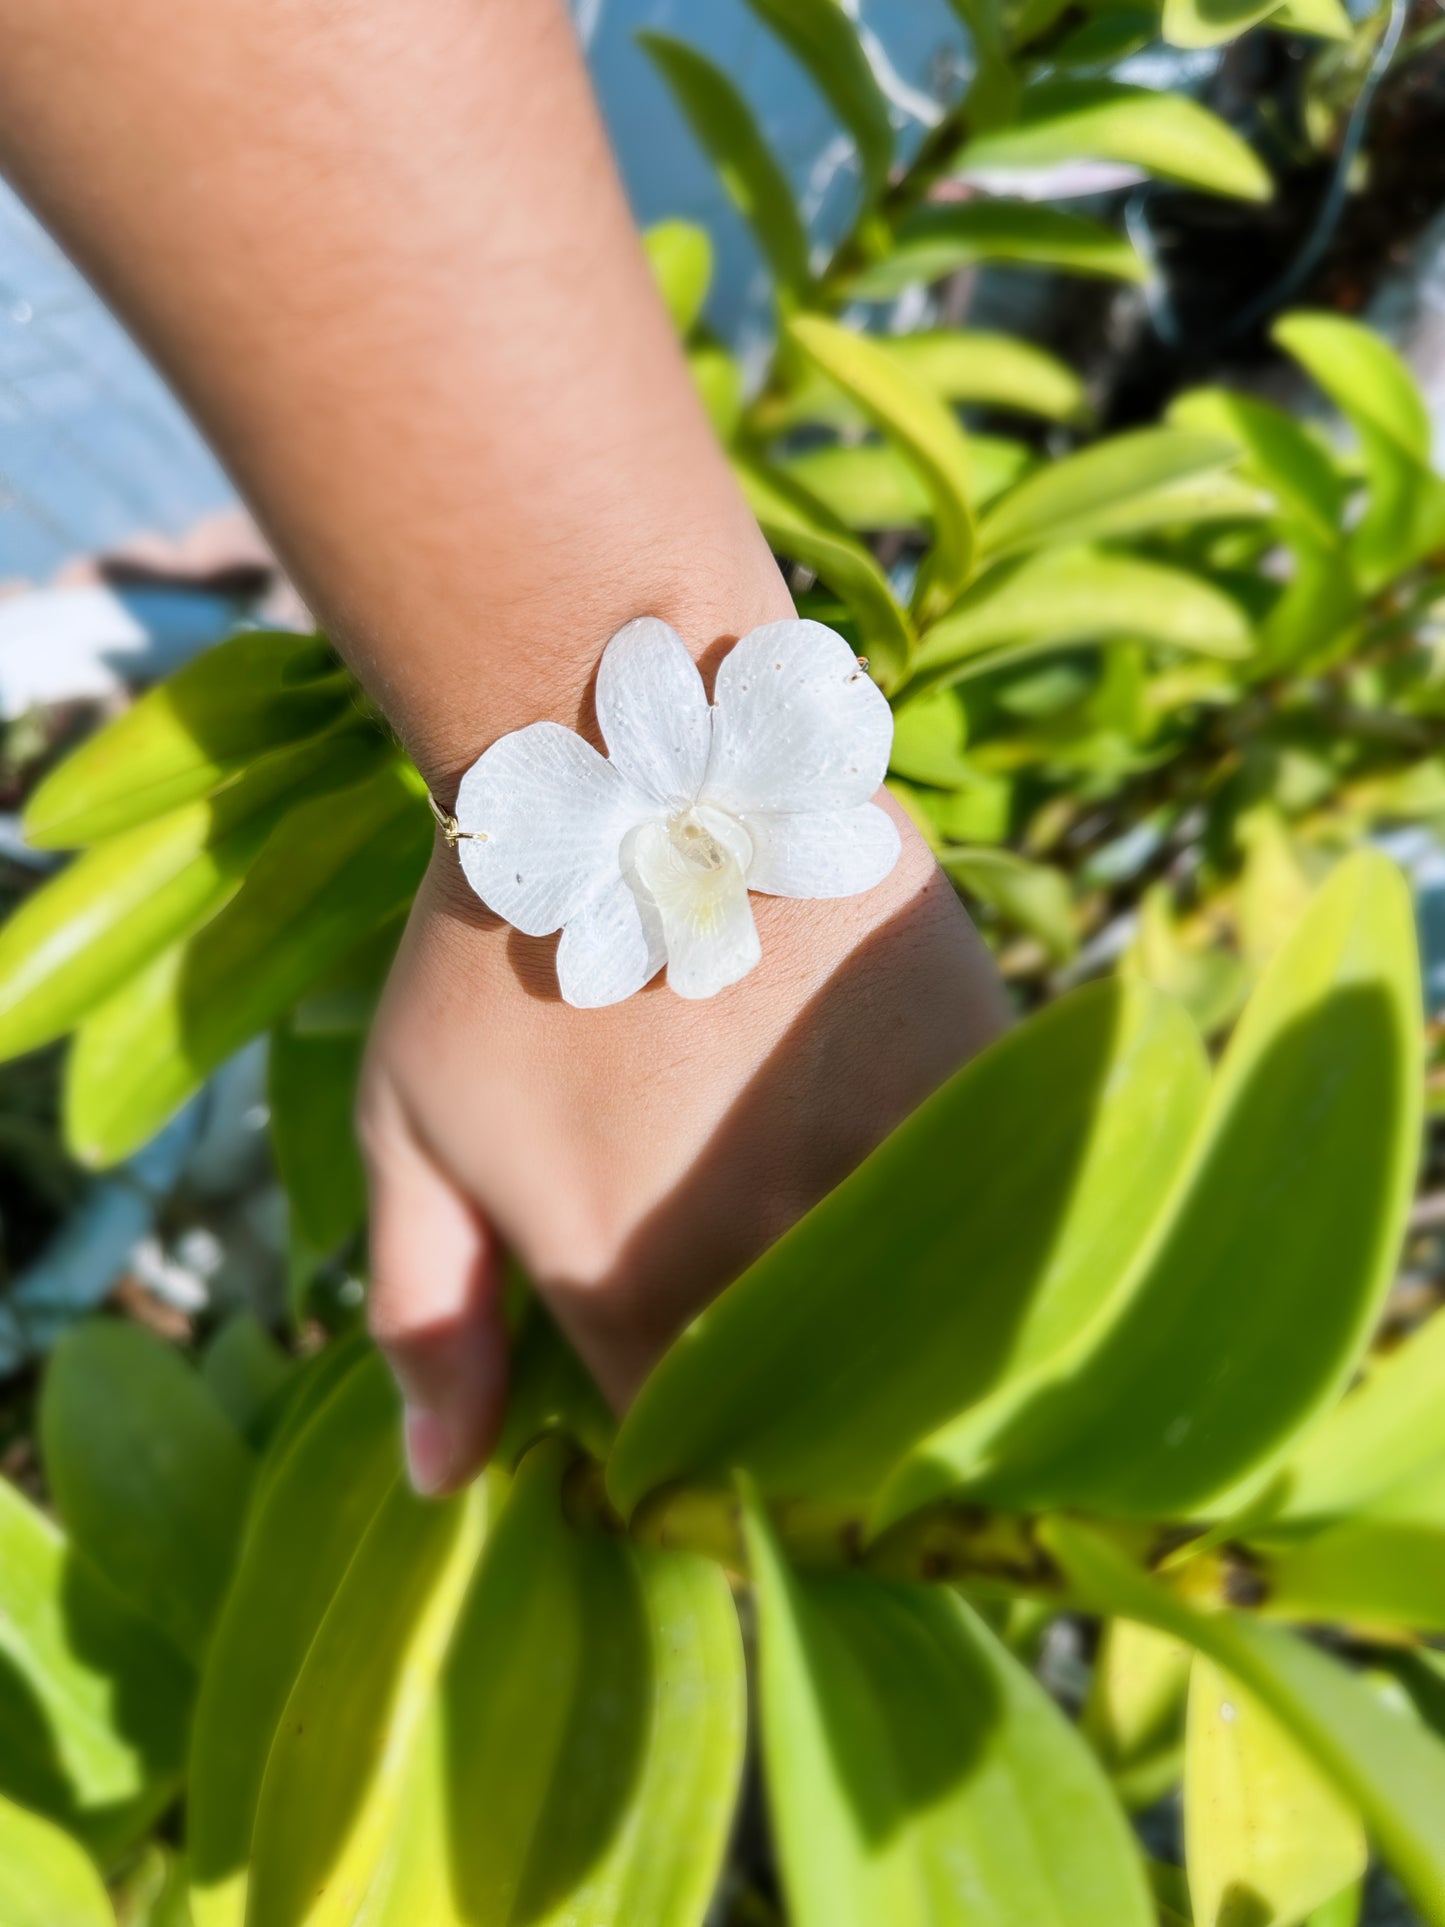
380	249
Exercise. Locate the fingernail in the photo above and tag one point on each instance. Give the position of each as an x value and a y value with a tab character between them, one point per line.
428	1451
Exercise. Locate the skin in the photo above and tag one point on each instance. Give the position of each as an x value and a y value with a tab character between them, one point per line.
380	249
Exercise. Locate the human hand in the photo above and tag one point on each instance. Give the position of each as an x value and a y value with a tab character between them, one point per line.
634	1158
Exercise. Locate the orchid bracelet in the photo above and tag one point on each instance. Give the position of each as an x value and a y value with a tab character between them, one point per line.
645	857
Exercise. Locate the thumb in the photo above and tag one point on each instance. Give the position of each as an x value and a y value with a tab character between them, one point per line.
436	1300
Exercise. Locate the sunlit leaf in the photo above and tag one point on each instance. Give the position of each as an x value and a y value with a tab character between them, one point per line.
1380	1567
821	35
93	1701
998	1223
1209	982
1210	23
1099	491
916	1773
929	734
1165	134
149	1475
680	256
925	430
189	735
725	128
1134	1715
312	1093
333	870
1267	1837
1391	1768
1275	450
1263	1278
46	1880
1035	896
584	1757
804	529
318	1499
870	486
935	242
1061	598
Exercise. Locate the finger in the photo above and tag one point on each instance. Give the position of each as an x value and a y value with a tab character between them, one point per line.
436	1304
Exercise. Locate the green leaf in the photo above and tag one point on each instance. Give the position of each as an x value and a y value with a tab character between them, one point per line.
960	365
826	42
1034	896
1378	1568
1107	120
1134	1715
1371	386
1275	451
149	1476
1326	20
934	242
806	530
1210	23
333	870
590	1733
549	1389
680	256
1098	491
46	1880
331	1825
249	1376
719	383
791	1375
1209	982
917	1774
1316	620
328	1478
188	736
76	939
1392	1769
1263	1278
924	429
312	1091
870	486
93	1702
1389	1428
1061	598
1267	1837
724	127
929	734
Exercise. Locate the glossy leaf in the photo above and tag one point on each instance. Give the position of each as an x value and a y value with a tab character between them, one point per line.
329	1820
1375	391
188	736
916	1773
1169	135
76	939
1389	1428
1327	20
1061	598
46	1880
821	35
680	256
727	132
961	365
312	1091
924	429
1092	493
585	1756
1275	450
1379	1568
870	486
1210	23
93	1701
309	1518
1388	1766
1035	896
929	734
1134	1715
334	869
997	1223
803	528
1267	1837
149	1476
1263	1278
935	242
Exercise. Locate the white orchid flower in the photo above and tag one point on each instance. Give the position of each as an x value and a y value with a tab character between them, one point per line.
646	856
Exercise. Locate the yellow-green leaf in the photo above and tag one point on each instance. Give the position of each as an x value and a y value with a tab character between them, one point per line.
680	256
1210	23
188	736
1275	451
935	242
821	35
1134	1715
46	1880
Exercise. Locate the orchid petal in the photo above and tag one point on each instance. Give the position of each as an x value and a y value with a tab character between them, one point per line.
822	853
797	725
544	818
609	950
653	712
706	918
